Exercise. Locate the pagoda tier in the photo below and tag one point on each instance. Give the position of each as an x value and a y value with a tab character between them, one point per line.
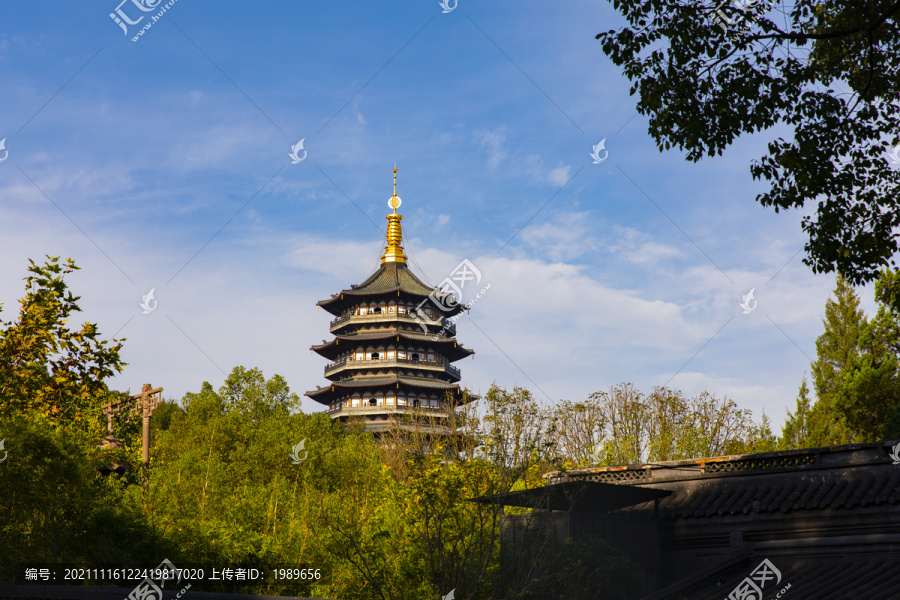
392	283
393	347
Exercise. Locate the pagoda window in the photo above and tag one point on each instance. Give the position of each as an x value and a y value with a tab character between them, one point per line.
373	402
376	311
401	353
401	400
401	309
415	402
414	356
391	309
390	354
359	355
362	310
390	400
374	356
431	357
434	403
354	402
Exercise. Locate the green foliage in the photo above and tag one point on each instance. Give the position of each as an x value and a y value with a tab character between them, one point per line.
829	71
57	508
869	395
46	368
836	350
795	432
664	425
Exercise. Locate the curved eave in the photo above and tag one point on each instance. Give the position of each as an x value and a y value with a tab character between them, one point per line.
348	298
449	347
326	394
392	280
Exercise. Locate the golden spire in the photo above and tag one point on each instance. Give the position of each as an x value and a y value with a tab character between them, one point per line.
394	251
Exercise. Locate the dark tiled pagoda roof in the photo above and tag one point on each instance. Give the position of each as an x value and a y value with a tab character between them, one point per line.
447	346
339	389
391	279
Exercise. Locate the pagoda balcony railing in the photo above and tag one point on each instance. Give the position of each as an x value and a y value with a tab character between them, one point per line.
424	410
384	362
445	324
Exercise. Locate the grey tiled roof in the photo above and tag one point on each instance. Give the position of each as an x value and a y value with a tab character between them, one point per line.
390	278
449	346
835	477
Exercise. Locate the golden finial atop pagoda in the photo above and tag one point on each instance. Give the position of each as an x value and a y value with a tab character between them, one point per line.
394	251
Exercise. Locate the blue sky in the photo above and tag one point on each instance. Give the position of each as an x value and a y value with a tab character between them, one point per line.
163	163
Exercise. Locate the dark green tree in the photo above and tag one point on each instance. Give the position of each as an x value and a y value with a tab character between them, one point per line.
828	72
836	351
795	432
869	398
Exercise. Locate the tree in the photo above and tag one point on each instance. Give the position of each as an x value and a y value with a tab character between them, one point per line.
45	367
664	425
795	431
828	70
869	397
836	350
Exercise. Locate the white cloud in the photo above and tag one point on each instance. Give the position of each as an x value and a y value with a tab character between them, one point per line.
559	235
494	142
560	175
638	249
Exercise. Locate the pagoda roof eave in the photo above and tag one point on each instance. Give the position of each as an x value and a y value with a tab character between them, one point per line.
324	395
329	349
390	279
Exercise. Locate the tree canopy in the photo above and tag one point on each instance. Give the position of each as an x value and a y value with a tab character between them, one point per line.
827	72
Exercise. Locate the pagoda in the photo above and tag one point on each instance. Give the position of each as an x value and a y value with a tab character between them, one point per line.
394	347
